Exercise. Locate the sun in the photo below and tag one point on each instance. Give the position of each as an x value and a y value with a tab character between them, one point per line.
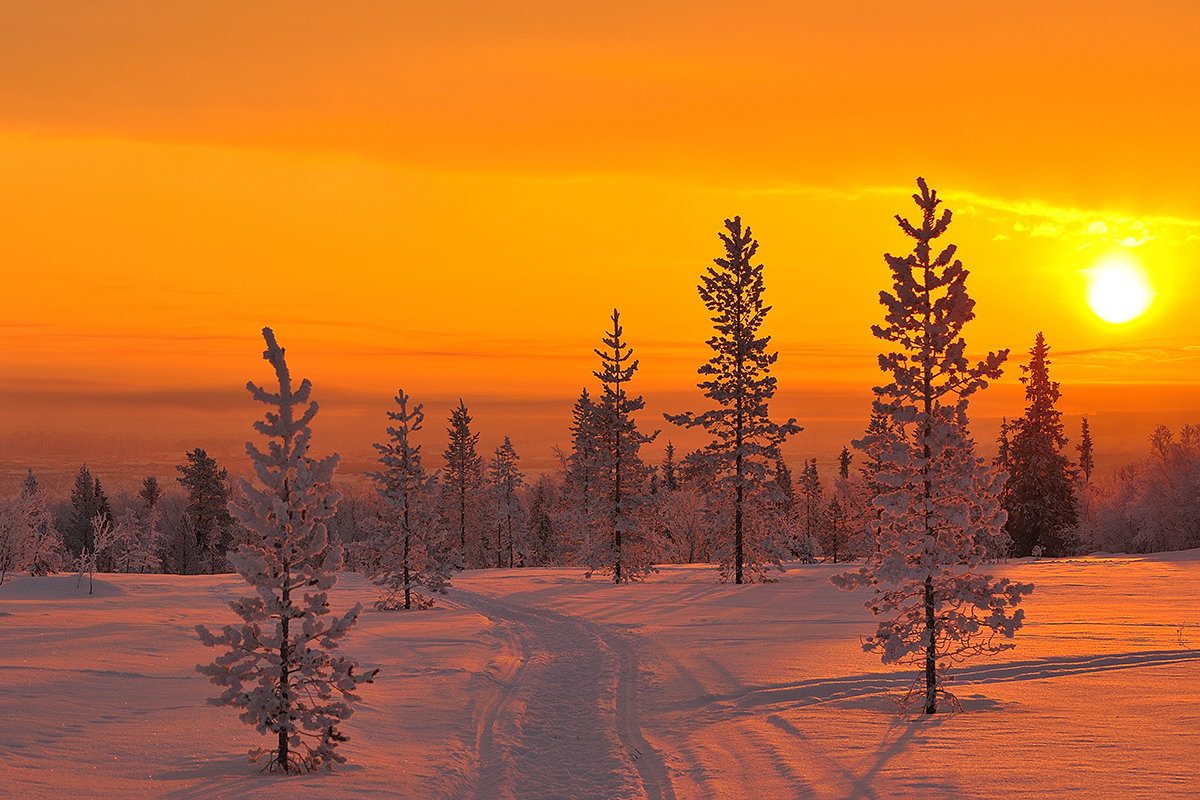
1118	290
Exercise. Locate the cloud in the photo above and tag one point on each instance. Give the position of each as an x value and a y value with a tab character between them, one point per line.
1036	219
1116	361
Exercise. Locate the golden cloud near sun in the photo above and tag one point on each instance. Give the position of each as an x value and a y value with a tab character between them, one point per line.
1118	288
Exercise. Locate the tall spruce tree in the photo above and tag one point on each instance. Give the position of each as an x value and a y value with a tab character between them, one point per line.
581	482
1003	445
622	550
544	547
506	479
405	555
670	481
87	500
280	666
785	488
934	606
1087	460
745	440
837	529
843	511
844	461
207	510
1040	493
812	496
463	477
150	492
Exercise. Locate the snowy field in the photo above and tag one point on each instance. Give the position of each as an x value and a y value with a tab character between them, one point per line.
539	684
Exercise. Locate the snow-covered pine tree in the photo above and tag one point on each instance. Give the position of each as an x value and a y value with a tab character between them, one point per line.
280	665
27	536
44	555
1087	459
788	507
877	441
844	514
119	549
670	481
543	544
622	549
146	548
207	508
812	501
406	556
686	529
745	440
13	538
462	480
837	529
785	488
1040	493
505	480
942	501
579	515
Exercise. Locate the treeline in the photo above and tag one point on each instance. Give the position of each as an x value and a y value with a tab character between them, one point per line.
485	512
734	502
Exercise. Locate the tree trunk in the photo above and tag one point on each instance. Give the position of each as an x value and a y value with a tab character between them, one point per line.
926	468
738	552
462	519
285	700
738	555
930	651
407	578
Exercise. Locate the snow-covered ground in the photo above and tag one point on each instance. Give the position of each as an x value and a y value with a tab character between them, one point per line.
540	684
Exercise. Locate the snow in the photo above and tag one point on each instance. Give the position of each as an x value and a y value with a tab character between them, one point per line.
538	684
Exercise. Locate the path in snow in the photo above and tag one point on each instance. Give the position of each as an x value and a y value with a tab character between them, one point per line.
556	712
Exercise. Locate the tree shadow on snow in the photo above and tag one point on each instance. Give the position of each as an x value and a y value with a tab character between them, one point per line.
897	740
223	776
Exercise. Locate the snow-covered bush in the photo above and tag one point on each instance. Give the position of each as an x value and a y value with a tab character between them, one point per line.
1150	506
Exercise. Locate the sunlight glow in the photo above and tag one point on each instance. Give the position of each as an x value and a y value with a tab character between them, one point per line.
1118	288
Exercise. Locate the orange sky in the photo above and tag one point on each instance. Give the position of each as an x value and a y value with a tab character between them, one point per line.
452	196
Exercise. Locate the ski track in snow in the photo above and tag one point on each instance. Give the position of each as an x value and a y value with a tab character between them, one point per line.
556	713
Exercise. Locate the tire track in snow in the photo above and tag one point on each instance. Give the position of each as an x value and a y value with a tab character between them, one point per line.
559	719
